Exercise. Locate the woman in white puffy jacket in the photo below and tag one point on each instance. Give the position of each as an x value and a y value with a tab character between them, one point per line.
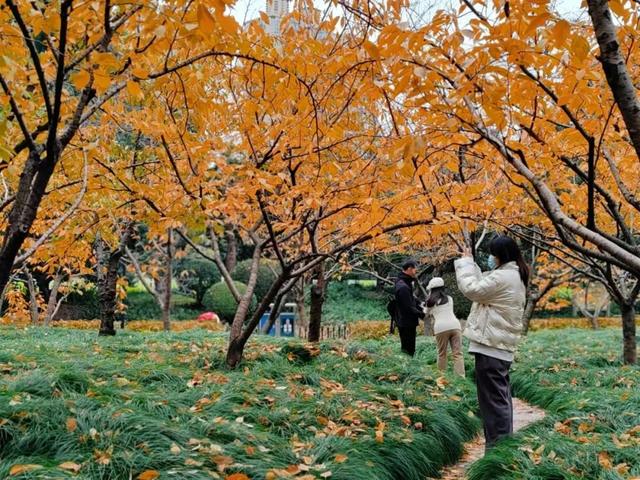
494	327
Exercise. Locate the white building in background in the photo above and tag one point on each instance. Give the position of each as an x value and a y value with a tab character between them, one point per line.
276	9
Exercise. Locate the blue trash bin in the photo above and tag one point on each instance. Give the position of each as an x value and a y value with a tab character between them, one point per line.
264	320
284	326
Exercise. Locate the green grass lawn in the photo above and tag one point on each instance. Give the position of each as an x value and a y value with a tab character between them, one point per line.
593	428
73	405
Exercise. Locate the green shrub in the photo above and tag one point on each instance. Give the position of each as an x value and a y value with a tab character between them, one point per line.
267	274
142	306
219	299
195	275
81	304
346	303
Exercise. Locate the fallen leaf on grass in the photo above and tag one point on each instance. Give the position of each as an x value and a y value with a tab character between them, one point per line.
103	457
442	382
73	467
622	468
341	458
20	469
222	461
72	424
604	459
149	475
237	476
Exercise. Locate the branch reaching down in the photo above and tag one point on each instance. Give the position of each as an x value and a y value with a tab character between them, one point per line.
140	274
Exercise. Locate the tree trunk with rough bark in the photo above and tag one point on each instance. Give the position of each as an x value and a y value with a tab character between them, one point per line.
33	182
301	308
628	314
107	264
168	276
231	258
245	300
107	277
318	295
615	69
238	342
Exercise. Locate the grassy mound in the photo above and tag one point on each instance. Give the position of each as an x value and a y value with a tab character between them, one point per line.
73	405
593	401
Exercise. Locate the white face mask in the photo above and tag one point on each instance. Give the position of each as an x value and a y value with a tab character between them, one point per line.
491	262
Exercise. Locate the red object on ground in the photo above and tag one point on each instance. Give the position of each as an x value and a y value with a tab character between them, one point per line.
208	317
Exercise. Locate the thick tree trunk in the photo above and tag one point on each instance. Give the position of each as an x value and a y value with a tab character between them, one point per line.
301	308
107	264
318	295
628	313
235	352
33	182
245	300
107	278
168	276
238	341
231	258
615	68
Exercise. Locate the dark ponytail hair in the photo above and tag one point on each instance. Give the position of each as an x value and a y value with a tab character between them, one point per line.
506	250
437	296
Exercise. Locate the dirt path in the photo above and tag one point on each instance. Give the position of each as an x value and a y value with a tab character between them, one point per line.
523	415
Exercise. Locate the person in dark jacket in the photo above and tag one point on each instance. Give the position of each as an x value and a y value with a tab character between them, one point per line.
409	315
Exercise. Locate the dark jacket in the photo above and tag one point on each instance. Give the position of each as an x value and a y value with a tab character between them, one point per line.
409	314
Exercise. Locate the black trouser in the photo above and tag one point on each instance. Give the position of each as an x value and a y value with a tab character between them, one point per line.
408	339
494	398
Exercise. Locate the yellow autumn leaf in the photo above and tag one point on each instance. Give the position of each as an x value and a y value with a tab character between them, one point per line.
205	20
264	17
341	458
149	475
228	24
560	32
371	49
20	469
80	79
72	424
580	47
73	467
133	88
618	8
101	81
219	5
237	476
604	459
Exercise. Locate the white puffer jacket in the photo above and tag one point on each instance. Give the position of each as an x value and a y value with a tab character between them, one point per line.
498	300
